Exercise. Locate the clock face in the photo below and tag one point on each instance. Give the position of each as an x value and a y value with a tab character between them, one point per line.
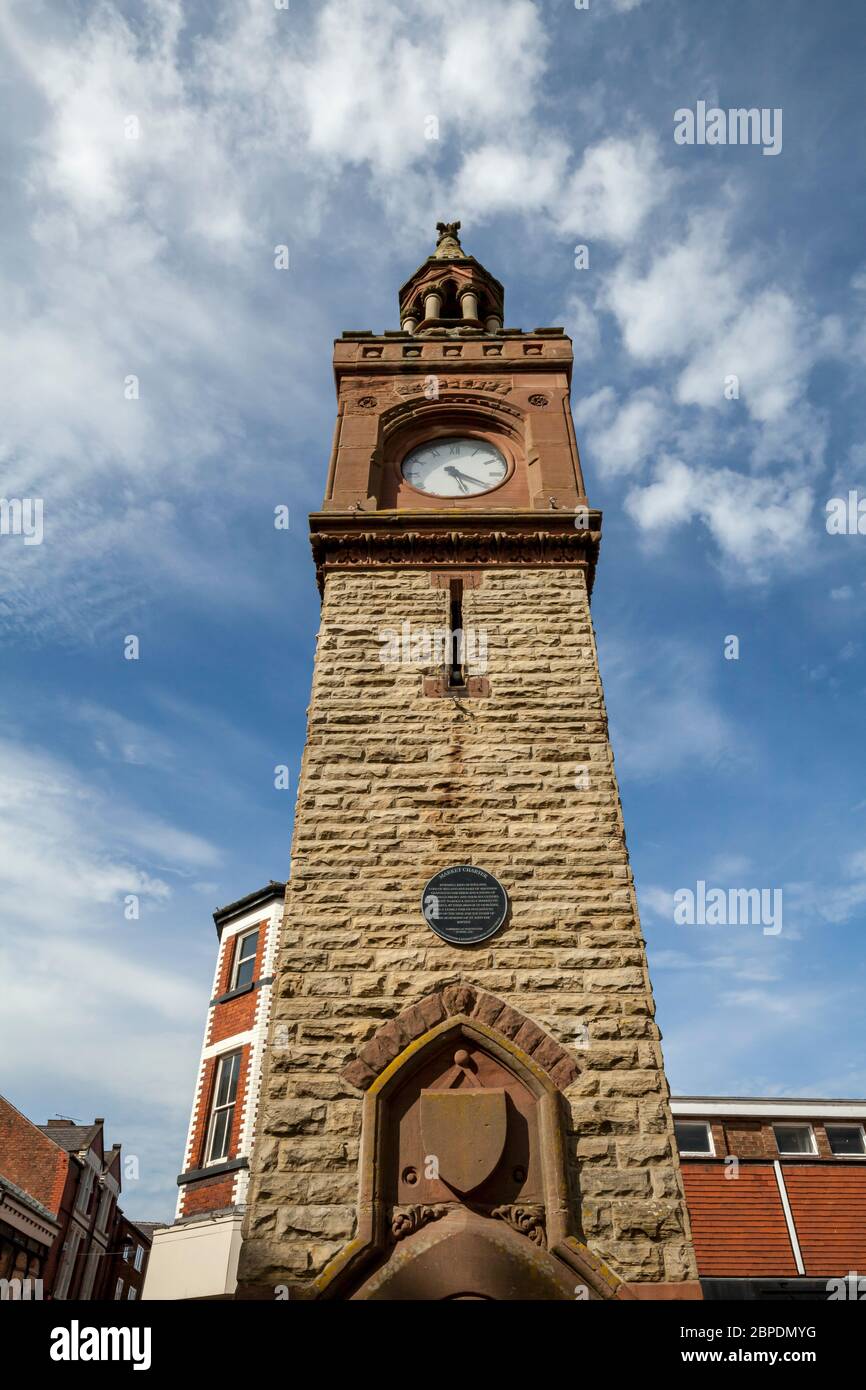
455	467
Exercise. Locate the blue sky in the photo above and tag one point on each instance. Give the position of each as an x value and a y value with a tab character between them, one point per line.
153	257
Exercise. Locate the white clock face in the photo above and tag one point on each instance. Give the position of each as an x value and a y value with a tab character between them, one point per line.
455	467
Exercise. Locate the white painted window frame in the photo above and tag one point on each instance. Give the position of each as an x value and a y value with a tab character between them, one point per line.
697	1153
211	1124
239	945
118	1290
846	1124
796	1153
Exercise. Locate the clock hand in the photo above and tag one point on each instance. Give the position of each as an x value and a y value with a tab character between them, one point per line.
456	473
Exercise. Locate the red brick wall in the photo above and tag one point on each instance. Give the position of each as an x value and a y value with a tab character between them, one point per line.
225	975
236	1015
748	1138
226	1021
31	1160
117	1267
209	1194
217	1192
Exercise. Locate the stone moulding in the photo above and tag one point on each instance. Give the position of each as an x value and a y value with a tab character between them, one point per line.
347	541
374	1236
413	388
413	1023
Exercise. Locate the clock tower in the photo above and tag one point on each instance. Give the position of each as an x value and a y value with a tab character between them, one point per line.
463	1092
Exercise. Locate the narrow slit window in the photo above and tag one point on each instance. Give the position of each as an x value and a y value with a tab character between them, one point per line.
456	675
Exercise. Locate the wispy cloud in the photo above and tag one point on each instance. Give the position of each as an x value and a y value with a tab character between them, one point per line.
682	723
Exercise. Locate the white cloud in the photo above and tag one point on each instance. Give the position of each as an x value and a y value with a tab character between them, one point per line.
668	500
620	438
499	178
682	727
119	1020
656	902
618	183
682	298
607	197
698	303
118	738
756	521
766	346
153	257
57	832
582	326
473	69
783	1005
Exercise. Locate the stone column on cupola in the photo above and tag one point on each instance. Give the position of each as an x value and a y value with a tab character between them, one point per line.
469	303
432	305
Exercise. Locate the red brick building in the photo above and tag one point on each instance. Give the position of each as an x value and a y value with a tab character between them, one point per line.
127	1260
59	1215
197	1256
27	1233
776	1191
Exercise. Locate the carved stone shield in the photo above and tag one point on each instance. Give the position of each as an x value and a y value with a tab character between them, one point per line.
464	1131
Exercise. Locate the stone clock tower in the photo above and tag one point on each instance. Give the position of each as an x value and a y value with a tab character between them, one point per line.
450	1115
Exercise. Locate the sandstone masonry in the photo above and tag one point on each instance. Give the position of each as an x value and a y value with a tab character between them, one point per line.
394	786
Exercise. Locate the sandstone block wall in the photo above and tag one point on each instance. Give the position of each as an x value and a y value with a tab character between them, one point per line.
396	785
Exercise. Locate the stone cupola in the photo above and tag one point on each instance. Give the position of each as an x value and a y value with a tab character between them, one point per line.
451	291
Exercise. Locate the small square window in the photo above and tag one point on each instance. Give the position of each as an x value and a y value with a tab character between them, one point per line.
846	1139
794	1139
245	960
694	1137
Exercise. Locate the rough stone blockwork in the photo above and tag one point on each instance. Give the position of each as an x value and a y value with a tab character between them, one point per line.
396	785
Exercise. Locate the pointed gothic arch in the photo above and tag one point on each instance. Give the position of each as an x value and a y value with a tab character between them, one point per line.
414	1022
498	1203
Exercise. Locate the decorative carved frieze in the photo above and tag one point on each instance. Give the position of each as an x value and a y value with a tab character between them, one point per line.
527	1220
405	1221
410	388
412	545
